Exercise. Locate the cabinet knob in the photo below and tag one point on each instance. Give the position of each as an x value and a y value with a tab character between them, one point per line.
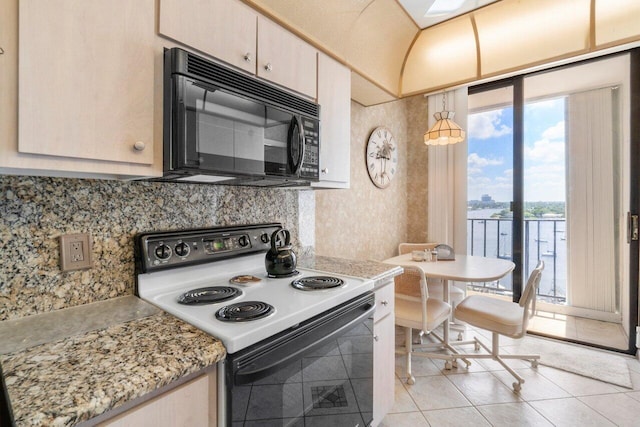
384	302
375	337
325	170
247	57
139	145
268	67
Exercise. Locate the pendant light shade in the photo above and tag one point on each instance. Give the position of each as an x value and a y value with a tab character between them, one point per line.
445	131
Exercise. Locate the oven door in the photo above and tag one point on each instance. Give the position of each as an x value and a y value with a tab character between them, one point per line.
318	373
217	131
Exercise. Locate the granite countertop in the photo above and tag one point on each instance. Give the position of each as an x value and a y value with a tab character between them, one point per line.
105	362
68	366
379	272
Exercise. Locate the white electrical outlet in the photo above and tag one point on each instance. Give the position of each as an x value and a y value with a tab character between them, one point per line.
75	251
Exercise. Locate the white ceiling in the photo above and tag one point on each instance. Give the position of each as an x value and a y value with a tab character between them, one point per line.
448	9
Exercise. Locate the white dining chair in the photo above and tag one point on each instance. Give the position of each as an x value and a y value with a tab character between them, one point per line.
502	318
456	295
423	314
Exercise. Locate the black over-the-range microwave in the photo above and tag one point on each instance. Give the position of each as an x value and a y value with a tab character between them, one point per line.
224	126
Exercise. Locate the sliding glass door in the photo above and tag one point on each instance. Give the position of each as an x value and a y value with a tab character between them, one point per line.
579	160
490	185
561	191
544	193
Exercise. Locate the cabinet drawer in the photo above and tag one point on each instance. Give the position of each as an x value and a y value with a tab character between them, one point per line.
384	301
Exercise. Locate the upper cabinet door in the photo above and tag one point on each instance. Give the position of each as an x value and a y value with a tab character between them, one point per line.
225	29
285	59
334	89
86	79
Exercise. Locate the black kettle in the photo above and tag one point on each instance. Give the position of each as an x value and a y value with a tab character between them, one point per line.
280	261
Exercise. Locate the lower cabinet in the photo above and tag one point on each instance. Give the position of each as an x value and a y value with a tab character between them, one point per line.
383	352
188	405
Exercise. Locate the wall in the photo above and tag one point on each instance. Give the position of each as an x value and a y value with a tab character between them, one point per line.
365	222
417	168
35	211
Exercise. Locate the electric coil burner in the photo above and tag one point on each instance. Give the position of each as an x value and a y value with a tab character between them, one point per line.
244	311
316	283
209	295
215	279
294	273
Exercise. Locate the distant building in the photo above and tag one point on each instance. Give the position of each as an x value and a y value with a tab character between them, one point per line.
486	198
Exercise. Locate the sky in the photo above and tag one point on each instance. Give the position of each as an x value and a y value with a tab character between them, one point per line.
490	156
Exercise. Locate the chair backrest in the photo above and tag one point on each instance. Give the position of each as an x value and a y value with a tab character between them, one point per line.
405	248
405	288
528	297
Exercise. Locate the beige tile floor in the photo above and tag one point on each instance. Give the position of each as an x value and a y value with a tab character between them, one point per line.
482	395
578	328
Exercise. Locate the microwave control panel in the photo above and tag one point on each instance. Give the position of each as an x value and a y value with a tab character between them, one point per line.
311	162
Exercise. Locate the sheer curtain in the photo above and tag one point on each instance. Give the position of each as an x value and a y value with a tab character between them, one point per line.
447	178
592	199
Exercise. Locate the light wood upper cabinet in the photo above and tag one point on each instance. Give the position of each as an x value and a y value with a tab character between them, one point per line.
334	89
86	79
222	28
285	59
236	34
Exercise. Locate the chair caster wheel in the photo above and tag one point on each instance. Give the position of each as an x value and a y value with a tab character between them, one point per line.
476	346
517	387
534	363
448	365
460	336
411	380
455	364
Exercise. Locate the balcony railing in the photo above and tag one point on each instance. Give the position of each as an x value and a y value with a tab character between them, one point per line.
543	239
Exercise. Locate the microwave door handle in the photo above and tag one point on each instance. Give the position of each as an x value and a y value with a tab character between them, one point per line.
301	148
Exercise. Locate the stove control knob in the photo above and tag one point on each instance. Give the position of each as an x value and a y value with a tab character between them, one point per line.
264	238
163	252
182	249
243	241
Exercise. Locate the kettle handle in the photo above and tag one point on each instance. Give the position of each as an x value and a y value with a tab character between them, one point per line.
274	238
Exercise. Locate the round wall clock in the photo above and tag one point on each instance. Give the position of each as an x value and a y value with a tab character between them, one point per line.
381	157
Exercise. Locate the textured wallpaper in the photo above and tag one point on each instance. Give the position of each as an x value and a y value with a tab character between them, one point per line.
365	222
417	169
35	211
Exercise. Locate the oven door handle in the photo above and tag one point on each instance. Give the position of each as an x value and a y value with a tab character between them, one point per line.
288	350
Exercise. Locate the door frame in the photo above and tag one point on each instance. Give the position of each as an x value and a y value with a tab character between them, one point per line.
634	198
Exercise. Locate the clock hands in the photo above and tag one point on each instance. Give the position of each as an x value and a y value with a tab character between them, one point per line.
383	153
381	156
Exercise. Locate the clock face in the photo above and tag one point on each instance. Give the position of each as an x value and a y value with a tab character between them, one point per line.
382	157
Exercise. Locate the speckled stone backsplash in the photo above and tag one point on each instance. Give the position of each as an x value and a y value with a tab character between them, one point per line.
35	211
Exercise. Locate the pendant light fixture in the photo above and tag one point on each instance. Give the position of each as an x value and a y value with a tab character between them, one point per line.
445	131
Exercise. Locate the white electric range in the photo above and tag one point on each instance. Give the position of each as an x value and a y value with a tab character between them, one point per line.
206	260
294	356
